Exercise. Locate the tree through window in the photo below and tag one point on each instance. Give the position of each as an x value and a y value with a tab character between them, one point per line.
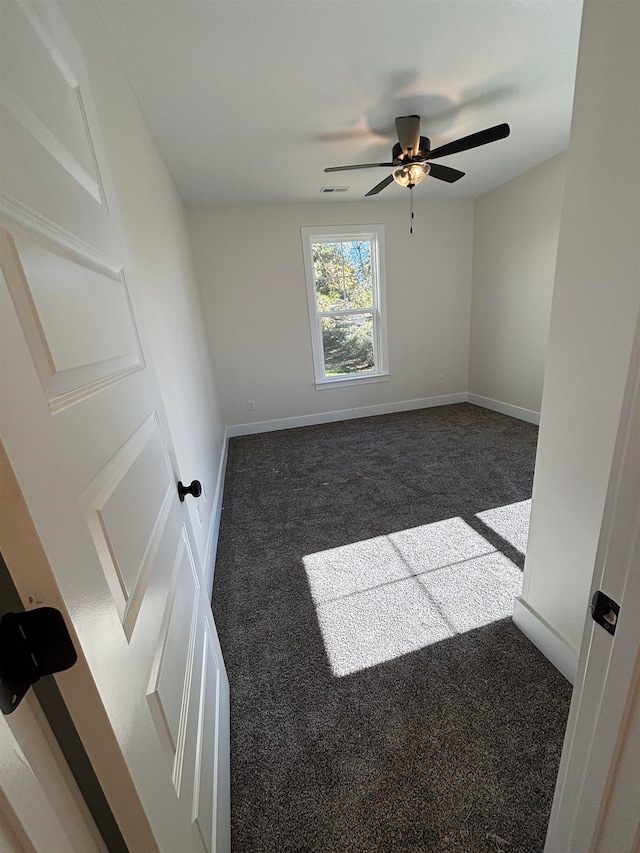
345	289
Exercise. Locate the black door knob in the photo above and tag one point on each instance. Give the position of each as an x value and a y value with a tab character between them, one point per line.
194	489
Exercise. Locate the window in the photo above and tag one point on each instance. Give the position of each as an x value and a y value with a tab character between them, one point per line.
344	267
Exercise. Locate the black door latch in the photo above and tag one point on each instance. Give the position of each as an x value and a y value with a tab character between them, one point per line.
605	611
32	644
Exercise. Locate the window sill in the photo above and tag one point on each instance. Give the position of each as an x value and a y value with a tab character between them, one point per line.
341	381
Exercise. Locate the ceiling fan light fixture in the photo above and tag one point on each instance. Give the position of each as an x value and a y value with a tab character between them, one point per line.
411	174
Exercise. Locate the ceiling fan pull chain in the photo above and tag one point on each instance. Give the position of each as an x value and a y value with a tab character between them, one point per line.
411	208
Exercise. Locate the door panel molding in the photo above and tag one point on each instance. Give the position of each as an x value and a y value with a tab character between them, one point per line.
205	793
45	279
139	474
37	130
58	122
174	658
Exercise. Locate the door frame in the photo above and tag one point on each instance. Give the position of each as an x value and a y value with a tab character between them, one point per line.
44	729
41	806
608	667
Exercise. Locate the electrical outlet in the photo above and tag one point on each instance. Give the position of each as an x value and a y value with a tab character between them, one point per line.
441	379
251	405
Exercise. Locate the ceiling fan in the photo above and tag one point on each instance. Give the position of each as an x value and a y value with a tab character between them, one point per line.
411	154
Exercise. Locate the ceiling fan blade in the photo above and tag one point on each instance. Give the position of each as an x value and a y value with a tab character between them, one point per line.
445	173
358	166
408	128
388	180
482	137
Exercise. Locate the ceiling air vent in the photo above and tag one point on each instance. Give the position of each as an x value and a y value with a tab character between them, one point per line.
334	189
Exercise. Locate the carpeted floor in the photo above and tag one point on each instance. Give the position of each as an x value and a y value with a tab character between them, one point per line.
381	698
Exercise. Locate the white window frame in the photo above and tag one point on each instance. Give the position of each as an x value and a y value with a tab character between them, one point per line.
336	233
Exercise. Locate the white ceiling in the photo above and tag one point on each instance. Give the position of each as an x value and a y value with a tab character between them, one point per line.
250	99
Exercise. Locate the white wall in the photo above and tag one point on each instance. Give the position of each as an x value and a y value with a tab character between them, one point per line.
595	309
514	257
155	225
250	269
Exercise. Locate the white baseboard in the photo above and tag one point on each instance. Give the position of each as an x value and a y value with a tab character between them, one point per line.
214	527
345	414
550	643
505	408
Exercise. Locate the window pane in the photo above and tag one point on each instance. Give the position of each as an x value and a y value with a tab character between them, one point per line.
327	270
348	344
358	283
342	275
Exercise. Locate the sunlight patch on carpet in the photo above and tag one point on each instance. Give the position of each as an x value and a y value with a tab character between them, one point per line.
385	597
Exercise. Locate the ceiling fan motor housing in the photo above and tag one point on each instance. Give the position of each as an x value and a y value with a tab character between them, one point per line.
425	145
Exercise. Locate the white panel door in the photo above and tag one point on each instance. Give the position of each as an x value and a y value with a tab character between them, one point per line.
85	433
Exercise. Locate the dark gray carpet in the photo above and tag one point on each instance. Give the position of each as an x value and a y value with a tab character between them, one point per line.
341	738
